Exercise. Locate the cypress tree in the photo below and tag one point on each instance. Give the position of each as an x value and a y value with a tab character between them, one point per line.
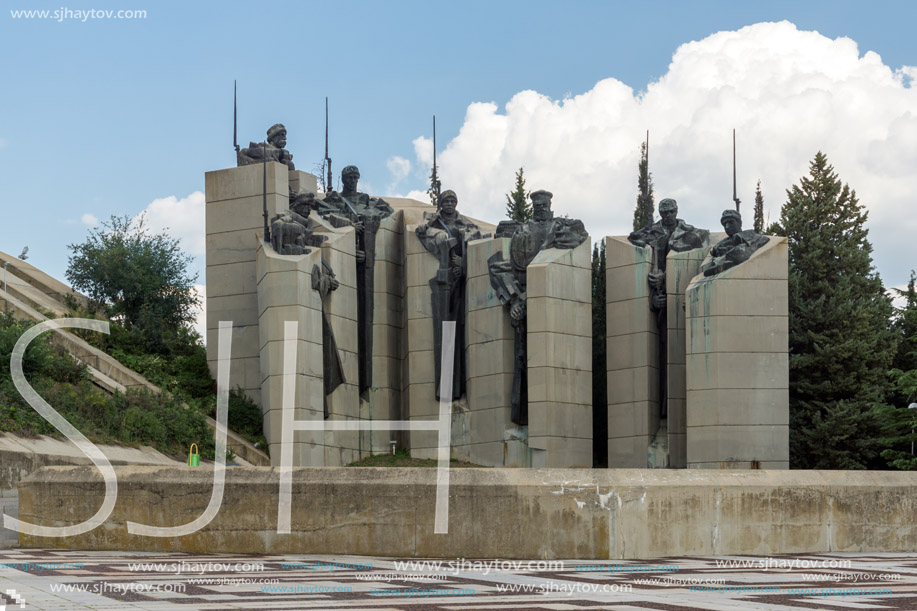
517	206
759	209
840	343
643	211
599	373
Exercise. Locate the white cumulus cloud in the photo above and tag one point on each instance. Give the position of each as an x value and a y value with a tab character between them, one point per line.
788	93
423	149
181	218
89	220
399	168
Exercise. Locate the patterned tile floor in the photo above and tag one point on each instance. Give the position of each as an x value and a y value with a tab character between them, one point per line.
65	580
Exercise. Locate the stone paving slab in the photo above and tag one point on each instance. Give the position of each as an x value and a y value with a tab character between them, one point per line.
102	581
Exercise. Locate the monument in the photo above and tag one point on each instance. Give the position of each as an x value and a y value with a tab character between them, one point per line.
271	150
364	214
508	279
445	234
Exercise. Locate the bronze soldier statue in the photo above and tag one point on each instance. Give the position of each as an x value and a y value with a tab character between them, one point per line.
272	150
446	233
350	207
666	235
508	279
735	248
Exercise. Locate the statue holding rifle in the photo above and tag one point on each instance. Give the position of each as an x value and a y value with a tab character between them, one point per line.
446	233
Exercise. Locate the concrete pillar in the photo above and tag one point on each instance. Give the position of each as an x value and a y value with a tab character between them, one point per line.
495	440
419	374
559	354
234	215
680	267
737	366
632	350
285	294
343	447
384	398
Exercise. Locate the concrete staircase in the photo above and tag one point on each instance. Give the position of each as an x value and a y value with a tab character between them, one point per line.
29	290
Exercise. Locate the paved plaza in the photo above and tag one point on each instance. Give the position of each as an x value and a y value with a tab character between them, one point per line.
64	580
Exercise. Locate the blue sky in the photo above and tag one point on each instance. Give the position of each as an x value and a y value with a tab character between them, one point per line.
105	116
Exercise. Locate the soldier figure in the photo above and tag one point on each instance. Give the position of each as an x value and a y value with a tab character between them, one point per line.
272	150
446	234
508	279
735	248
364	214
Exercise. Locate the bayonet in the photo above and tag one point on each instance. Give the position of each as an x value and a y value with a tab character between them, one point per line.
235	120
734	194
330	186
436	184
267	228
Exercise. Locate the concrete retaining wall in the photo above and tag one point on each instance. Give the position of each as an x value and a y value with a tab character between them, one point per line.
496	513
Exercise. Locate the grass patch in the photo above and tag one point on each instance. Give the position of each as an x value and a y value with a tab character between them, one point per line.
402	458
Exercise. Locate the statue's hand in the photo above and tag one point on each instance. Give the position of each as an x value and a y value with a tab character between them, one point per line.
458	261
358	226
659	301
517	311
361	256
334	284
456	272
657	281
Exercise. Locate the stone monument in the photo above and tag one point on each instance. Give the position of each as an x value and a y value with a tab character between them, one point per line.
646	277
445	234
364	214
271	150
737	354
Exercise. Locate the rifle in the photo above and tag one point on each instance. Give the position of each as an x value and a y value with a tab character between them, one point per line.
436	183
330	186
267	229
734	197
235	122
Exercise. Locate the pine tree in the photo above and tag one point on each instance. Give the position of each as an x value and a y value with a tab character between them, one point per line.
643	211
599	373
517	206
906	326
840	342
904	375
759	209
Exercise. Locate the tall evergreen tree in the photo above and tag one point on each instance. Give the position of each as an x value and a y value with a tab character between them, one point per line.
906	326
643	211
904	376
840	342
759	209
599	373
517	206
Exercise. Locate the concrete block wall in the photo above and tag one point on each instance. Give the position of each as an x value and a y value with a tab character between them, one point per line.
285	294
681	267
343	447
233	217
737	365
384	397
419	393
632	348
495	440
559	357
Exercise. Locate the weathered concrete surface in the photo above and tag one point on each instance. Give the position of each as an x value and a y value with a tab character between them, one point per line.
497	513
20	457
